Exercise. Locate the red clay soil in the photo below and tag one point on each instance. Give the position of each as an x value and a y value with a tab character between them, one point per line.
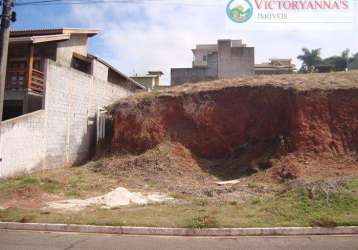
28	198
282	115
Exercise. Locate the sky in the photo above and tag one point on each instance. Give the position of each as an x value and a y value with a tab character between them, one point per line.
137	38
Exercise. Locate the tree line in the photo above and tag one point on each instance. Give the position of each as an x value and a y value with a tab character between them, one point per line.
313	62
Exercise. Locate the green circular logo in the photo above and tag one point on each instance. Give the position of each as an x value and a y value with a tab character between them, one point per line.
239	11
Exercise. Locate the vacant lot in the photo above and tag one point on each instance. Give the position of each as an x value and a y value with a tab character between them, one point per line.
286	144
250	203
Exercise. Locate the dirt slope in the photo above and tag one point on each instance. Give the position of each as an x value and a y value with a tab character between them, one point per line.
293	118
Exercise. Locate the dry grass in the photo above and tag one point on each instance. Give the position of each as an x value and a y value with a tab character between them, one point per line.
300	82
35	189
304	205
253	203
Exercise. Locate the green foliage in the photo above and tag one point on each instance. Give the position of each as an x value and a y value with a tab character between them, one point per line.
255	201
28	182
72	182
50	185
78	184
233	203
339	63
353	185
310	59
323	222
203	202
202	221
18	183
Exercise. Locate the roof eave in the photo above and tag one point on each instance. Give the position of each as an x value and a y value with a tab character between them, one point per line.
89	32
117	71
39	39
59	31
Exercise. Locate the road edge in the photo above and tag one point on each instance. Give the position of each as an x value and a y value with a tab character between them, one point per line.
275	231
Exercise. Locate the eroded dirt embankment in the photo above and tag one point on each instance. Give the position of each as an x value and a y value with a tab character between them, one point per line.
312	116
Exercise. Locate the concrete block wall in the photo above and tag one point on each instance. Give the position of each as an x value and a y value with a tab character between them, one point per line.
99	70
23	143
231	60
199	58
196	74
62	134
235	61
212	69
149	83
77	43
189	75
72	100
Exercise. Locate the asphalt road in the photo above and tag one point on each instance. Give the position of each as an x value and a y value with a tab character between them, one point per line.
11	240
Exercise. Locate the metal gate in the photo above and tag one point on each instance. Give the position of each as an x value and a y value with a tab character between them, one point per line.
102	115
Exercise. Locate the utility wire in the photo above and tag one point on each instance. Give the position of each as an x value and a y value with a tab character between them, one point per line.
73	2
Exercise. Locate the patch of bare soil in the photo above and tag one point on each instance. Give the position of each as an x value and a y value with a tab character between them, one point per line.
172	168
29	198
295	167
168	167
260	168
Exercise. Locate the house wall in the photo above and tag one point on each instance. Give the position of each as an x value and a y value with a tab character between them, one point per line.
148	82
196	74
235	61
199	58
232	60
201	51
156	81
99	70
62	134
23	143
273	71
212	69
71	101
77	43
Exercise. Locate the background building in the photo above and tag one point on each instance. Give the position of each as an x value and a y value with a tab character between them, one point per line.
275	66
151	80
354	64
226	59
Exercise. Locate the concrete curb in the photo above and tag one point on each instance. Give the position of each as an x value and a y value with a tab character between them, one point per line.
277	231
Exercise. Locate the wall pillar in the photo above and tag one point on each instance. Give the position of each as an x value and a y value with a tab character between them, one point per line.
30	65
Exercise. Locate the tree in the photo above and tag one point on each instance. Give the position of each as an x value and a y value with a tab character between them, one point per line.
310	59
339	63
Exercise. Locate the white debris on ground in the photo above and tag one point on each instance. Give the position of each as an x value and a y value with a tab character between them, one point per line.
223	183
116	198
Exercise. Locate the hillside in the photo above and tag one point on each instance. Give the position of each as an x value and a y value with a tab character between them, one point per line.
287	126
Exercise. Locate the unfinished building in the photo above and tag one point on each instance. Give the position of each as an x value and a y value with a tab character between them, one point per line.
151	80
226	59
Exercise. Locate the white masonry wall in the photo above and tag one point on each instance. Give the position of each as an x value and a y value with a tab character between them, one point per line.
72	99
62	134
23	143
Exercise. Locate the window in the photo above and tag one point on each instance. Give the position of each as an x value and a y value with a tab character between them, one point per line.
205	58
38	65
16	74
12	109
81	63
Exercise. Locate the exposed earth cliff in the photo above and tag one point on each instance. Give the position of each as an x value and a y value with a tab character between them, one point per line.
294	124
